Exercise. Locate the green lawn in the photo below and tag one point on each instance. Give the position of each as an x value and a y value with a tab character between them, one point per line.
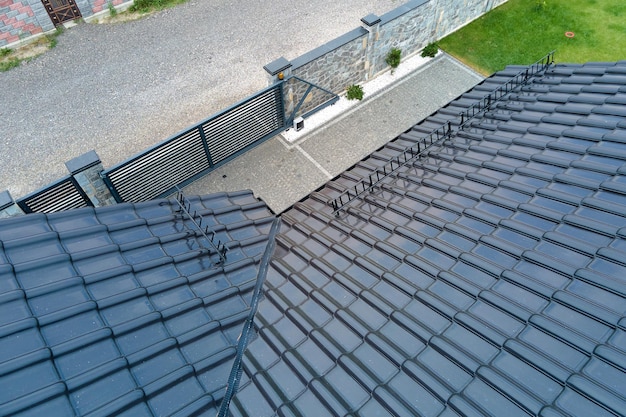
520	32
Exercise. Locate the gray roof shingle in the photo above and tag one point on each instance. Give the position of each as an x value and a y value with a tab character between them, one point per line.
486	277
122	310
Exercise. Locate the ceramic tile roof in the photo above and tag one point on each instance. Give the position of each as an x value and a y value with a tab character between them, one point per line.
122	310
487	277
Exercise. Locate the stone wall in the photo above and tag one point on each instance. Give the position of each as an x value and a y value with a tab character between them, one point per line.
409	29
333	70
338	67
86	171
360	54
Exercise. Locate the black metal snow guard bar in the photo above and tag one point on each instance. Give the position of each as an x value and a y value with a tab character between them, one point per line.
185	207
444	132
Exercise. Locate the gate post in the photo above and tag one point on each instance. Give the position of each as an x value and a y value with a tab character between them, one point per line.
86	171
371	23
278	70
8	207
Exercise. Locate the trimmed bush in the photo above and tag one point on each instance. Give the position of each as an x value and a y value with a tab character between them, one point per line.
393	58
354	92
430	50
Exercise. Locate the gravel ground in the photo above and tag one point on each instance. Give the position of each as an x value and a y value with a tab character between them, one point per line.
120	88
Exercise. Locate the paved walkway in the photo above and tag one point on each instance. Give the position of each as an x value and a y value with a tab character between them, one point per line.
120	88
282	173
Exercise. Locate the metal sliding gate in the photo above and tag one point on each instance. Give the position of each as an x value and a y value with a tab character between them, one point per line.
190	154
198	150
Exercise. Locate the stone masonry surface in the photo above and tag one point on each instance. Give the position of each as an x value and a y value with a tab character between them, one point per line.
93	185
363	57
409	32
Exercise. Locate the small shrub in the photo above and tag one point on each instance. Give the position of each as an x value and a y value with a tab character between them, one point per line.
393	58
112	9
430	50
355	92
5	52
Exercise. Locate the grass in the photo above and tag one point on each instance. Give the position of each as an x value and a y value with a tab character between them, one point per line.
522	31
112	9
146	6
7	64
11	58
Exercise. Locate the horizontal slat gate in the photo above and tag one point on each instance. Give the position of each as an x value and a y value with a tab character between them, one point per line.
62	195
160	168
231	132
184	157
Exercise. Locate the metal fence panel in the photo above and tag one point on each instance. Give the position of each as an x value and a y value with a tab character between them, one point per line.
159	169
62	195
230	132
186	156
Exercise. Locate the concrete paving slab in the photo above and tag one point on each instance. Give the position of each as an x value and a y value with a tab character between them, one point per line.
278	174
378	120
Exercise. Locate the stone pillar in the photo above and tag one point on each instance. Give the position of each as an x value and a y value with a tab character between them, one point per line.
8	208
86	171
278	70
371	23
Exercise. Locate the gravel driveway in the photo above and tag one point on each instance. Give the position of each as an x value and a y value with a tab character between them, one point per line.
120	88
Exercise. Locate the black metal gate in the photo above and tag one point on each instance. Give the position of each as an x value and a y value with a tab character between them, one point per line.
61	10
64	194
192	153
200	149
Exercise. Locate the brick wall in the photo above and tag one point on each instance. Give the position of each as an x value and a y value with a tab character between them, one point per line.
21	19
